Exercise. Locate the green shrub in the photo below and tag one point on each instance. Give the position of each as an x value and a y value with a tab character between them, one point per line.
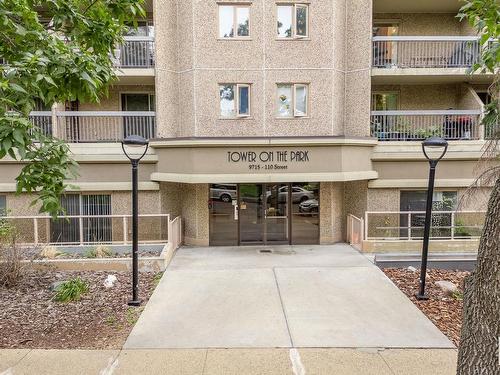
71	290
461	230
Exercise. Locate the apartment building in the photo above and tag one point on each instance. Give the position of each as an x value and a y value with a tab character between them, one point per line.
280	122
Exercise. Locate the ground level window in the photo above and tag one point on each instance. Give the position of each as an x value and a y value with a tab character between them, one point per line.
85	229
293	21
414	202
234	100
292	100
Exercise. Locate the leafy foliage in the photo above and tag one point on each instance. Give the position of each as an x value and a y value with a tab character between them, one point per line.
54	51
71	290
484	16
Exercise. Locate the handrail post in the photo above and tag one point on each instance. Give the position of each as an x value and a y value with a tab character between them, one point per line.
169	230
35	230
55	125
80	225
453	225
366	225
125	230
409	226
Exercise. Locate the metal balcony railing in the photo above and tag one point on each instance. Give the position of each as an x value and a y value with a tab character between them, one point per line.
419	125
94	229
80	127
136	52
425	51
42	120
409	225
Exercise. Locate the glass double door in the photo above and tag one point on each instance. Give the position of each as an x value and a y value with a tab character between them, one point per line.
264	213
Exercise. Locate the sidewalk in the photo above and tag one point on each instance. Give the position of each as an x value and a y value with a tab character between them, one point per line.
294	297
230	361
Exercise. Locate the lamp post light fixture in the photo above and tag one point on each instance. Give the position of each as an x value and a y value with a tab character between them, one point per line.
433	144
135	142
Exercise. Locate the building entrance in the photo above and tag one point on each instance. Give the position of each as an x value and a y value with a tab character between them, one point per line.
255	214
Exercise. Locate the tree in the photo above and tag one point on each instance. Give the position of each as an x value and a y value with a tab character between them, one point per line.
478	351
53	51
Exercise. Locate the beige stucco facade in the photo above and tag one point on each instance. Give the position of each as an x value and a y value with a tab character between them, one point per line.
332	146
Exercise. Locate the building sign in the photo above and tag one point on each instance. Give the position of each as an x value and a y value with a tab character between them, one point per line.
268	160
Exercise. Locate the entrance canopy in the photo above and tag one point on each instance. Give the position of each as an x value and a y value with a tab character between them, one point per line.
244	160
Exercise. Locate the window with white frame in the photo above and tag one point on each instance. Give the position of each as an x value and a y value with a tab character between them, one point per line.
293	21
292	99
234	21
234	100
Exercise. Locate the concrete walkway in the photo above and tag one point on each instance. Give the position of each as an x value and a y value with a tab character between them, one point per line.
294	297
229	362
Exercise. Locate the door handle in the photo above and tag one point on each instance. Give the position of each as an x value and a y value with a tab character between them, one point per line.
235	212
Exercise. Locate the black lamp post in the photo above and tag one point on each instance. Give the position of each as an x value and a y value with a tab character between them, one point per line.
430	144
135	141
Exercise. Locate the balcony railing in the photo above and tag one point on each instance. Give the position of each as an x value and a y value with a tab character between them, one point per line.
42	120
136	52
419	125
80	127
425	51
409	225
94	229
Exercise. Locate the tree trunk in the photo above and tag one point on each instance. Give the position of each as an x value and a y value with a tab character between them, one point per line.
478	353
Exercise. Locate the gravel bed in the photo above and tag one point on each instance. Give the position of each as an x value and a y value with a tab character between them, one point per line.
443	310
30	318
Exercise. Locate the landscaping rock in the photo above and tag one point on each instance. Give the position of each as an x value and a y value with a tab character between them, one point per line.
110	281
411	269
447	287
53	287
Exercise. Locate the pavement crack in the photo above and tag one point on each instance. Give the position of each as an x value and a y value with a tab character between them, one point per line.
283	308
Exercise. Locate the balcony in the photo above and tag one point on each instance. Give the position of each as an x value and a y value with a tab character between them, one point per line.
136	53
419	125
425	51
426	59
86	127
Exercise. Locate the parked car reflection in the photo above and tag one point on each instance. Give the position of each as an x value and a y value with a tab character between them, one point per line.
309	206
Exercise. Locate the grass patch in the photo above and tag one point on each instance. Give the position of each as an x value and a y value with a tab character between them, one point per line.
71	290
132	315
157	278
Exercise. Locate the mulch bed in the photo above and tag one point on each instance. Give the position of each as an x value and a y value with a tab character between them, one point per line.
30	318
444	311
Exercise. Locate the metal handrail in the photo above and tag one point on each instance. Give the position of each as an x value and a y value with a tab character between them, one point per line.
439	112
105	113
444	38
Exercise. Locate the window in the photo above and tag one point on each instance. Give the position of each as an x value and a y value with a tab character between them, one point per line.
292	100
234	17
93	229
3	205
416	201
234	100
381	28
293	21
144	28
385	101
